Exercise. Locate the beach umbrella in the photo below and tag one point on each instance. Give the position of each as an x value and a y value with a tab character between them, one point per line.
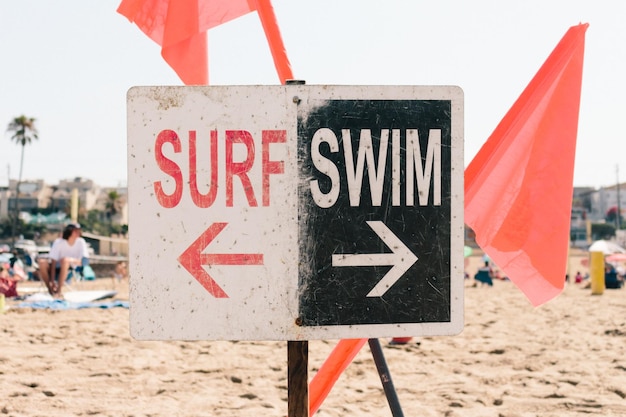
606	247
616	257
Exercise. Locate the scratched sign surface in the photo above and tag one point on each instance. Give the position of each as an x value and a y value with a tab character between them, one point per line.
295	212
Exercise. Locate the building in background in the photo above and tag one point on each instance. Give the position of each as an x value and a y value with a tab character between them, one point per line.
37	195
33	195
589	205
88	193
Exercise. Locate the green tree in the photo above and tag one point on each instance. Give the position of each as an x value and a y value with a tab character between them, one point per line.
112	206
602	231
24	132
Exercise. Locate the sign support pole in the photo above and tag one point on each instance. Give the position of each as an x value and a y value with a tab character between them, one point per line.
297	361
385	378
297	378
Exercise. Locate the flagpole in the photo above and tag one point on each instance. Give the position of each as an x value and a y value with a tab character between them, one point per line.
275	40
385	378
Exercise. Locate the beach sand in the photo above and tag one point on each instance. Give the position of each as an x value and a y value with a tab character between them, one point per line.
566	358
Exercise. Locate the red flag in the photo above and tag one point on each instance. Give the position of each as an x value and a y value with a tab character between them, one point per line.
518	188
331	370
180	28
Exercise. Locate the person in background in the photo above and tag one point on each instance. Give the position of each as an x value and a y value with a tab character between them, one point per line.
120	272
578	278
68	251
14	258
484	275
8	284
16	267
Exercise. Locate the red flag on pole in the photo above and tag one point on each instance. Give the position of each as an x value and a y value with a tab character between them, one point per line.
180	28
518	188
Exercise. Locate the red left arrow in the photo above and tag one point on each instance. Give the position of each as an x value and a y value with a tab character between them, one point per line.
193	259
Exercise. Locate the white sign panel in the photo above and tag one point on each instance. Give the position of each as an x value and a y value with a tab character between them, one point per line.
295	212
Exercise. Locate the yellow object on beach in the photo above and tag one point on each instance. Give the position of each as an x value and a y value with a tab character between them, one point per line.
596	269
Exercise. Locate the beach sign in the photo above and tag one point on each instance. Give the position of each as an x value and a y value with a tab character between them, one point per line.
295	212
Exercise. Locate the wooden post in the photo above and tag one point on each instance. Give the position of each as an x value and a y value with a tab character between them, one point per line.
297	378
297	362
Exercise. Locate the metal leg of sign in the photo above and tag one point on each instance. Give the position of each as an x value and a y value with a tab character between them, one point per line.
297	378
385	378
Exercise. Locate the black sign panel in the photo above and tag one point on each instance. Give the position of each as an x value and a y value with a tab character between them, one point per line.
374	205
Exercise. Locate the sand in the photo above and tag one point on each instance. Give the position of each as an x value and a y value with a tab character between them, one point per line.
566	358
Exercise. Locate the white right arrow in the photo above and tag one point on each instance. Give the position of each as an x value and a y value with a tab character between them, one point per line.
401	258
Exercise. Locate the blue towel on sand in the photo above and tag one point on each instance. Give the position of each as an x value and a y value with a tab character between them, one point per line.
67	305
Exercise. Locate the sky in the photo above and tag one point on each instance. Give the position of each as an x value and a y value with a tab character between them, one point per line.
70	64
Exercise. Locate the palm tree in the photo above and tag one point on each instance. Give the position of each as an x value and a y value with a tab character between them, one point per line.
24	132
112	207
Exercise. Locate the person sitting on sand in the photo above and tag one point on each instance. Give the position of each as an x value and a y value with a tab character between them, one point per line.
8	284
16	267
68	251
484	275
120	271
578	278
